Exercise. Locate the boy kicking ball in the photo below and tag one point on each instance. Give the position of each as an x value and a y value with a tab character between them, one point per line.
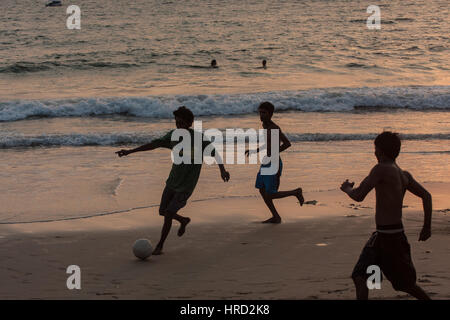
182	178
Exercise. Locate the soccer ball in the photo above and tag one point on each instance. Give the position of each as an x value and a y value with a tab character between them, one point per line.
142	249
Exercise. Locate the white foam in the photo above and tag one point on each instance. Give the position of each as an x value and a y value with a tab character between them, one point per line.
315	100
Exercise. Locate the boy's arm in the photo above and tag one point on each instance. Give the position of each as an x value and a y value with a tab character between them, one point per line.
223	173
285	143
163	142
415	188
360	193
247	152
149	146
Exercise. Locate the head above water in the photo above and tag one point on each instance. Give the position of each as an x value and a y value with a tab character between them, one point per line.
264	63
387	146
183	117
266	110
214	63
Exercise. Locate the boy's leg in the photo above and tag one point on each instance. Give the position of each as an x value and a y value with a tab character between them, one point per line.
164	233
417	292
275	216
166	229
183	223
362	292
271	185
398	267
367	258
166	198
283	194
171	202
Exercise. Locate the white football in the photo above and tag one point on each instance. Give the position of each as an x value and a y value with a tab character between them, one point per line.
142	249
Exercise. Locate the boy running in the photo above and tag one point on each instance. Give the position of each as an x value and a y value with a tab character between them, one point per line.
182	178
268	184
388	246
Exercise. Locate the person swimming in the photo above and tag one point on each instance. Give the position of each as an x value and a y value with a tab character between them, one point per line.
214	63
264	64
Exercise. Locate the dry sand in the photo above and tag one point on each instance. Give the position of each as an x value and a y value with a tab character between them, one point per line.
225	254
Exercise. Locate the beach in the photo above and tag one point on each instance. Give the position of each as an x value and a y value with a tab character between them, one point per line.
70	99
226	252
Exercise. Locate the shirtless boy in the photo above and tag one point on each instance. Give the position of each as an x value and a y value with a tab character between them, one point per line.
268	184
388	246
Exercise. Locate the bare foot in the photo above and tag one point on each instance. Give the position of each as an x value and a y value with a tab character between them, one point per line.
299	196
157	251
183	226
273	220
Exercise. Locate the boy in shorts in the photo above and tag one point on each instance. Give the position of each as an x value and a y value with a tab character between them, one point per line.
182	178
268	184
388	247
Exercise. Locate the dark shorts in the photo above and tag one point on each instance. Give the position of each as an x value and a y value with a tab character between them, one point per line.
172	201
270	183
392	253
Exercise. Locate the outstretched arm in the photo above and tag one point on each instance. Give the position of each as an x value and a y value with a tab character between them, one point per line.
149	146
415	188
360	193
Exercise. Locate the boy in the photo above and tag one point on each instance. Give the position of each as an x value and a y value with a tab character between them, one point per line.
388	247
182	178
268	184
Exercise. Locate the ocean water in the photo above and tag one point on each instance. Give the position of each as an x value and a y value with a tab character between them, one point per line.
70	98
129	48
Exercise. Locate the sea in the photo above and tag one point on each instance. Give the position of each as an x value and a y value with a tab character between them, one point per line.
71	98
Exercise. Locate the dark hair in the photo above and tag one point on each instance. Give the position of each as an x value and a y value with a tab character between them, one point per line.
213	62
389	143
185	114
264	62
267	106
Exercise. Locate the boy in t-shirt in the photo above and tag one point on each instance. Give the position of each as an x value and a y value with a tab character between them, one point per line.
182	178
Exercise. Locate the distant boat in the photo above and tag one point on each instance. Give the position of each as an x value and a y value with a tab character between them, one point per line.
54	3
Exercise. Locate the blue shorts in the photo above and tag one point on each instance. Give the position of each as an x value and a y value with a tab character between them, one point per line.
270	183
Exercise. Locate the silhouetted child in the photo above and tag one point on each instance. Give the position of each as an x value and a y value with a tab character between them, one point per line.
268	184
182	178
214	64
388	247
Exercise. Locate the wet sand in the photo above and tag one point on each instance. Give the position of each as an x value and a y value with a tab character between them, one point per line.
225	254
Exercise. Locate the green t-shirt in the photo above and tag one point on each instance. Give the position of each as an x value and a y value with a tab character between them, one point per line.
183	177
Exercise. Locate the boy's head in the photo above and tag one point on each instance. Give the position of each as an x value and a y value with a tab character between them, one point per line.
213	63
183	117
266	110
387	145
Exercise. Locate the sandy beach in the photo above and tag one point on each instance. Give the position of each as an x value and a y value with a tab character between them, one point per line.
83	83
225	254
